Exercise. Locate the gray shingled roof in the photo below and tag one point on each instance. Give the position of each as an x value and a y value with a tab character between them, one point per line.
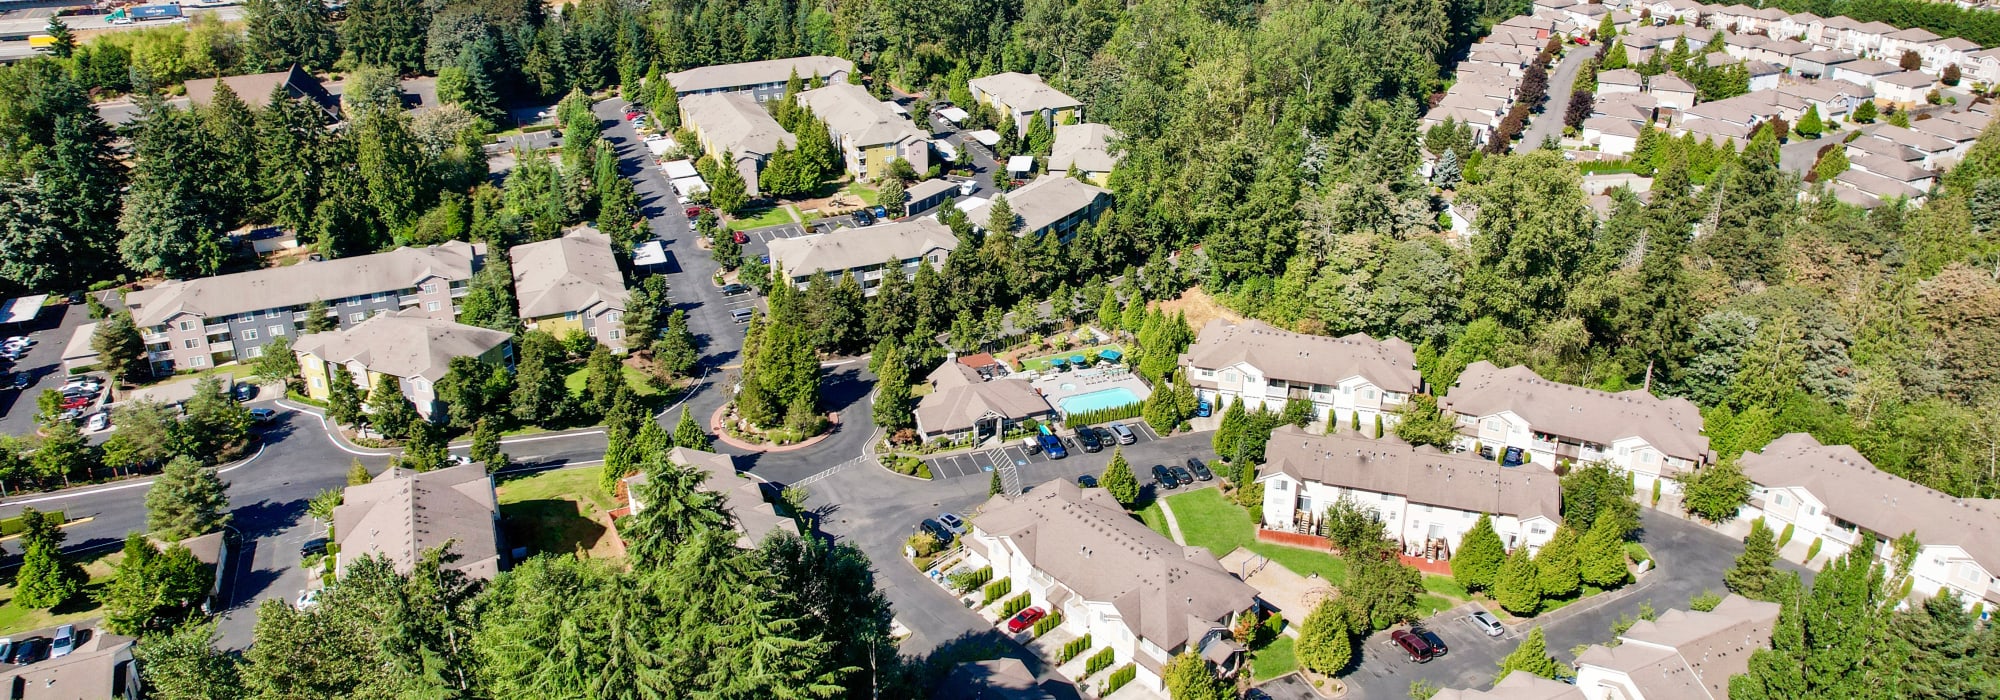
1042	203
1424	475
849	110
404	344
1087	146
304	283
1686	654
735	122
401	514
740	75
572	273
1024	91
1089	544
1855	491
959	400
850	248
1298	357
1672	426
97	668
1517	686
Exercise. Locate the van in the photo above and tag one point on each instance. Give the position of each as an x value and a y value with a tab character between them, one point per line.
742	315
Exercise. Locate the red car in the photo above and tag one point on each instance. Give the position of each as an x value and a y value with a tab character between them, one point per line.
741	238
1025	619
1418	649
78	402
631	115
693	212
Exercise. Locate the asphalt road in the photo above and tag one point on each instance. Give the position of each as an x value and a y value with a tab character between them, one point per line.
1549	123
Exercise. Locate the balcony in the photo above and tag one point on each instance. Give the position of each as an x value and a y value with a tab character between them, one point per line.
457	292
160	356
406	300
215	328
224	347
153	338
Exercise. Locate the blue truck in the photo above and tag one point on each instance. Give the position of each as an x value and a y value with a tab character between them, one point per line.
144	13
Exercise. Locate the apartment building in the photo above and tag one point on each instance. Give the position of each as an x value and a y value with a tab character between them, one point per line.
735	125
871	136
1425	499
401	514
868	253
1076	551
569	284
1052	204
1832	495
1266	367
1022	96
413	348
1085	148
762	81
192	324
1680	654
1652	438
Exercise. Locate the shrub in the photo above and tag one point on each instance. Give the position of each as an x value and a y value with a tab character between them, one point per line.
1073	647
1120	677
1637	552
997	589
907	465
1098	662
1105	415
967	580
1045	624
1812	550
1785	536
1017	604
1656	493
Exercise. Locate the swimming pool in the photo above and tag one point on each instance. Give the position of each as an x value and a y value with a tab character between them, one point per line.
1096	400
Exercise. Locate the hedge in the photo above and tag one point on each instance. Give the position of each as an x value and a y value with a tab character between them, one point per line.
997	589
1073	647
1785	537
1120	677
1017	603
907	465
965	581
1045	624
1105	415
13	526
1098	662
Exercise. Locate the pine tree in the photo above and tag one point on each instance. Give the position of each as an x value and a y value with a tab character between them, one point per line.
1447	173
1230	432
688	434
44	580
1602	554
357	473
892	393
1810	125
1476	564
1518	587
1753	576
119	348
390	412
1864	113
1556	568
726	187
343	403
1532	656
186	500
993	485
1118	479
1325	642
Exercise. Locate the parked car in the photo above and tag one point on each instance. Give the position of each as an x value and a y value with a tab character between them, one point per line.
1418	649
692	212
1437	643
19	341
631	114
733	289
84	380
952	522
1125	436
863	218
1165	478
244	393
1025	619
98	421
1182	473
742	315
1031	444
1202	409
30	650
6	648
307	599
316	545
1087	437
1086	481
1513	457
22	380
75	403
1486	623
65	642
937	530
879	212
1054	447
79	392
71	414
740	237
1200	470
967	187
262	415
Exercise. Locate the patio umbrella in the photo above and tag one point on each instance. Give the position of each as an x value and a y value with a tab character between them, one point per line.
1076	360
1110	355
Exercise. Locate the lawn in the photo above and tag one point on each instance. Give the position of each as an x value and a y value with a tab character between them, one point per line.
1040	364
1443	593
1207	519
640	383
1156	519
1275	659
868	196
768	216
558	511
15	619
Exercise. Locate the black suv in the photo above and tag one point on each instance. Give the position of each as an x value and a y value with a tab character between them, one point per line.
862	218
1087	437
1200	470
1182	474
1164	477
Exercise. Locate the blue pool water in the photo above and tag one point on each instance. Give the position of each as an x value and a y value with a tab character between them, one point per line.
1102	398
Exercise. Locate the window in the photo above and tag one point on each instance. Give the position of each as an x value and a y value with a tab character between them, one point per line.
1368	395
187	326
256	352
430	306
319	382
569	316
1385	497
356	317
616	316
249	334
617	334
1281	485
198	361
191	343
356	301
420	385
1229	376
275	330
430	287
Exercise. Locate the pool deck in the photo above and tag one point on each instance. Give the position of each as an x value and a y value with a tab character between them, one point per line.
1052	384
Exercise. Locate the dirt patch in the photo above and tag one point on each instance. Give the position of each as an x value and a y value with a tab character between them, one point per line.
1200	308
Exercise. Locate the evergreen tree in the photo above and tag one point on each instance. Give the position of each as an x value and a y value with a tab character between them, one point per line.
389	410
1532	656
280	33
486	444
185	663
894	198
673	509
1189	677
1753	576
1119	481
1602	554
44	580
385	33
1810	125
186	500
153	590
320	318
1448	172
539	393
1476	564
689	434
343	403
726	187
120	350
1326	644
892	393
1864	113
1558	572
604	377
277	363
357	473
1518	587
174	211
1231	430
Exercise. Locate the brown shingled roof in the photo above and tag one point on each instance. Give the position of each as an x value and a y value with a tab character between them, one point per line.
1855	491
1298	357
1422	474
1673	426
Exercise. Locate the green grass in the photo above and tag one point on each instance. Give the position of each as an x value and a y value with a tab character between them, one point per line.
1156	519
1041	364
1207	519
868	196
558	511
768	216
640	383
1637	552
15	619
1275	659
1445	586
1550	605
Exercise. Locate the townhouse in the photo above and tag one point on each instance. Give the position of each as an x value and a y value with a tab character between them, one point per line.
1832	495
1903	90
192	324
1051	205
1818	63
1901	41
1680	654
1864	72
1510	409
1949	51
401	514
1982	66
569	284
1803	26
100	666
763	81
734	125
1022	96
1086	149
1612	82
867	253
750	515
1671	91
1935	153
870	134
964	405
1612	135
1267	367
414	349
1076	551
1425	499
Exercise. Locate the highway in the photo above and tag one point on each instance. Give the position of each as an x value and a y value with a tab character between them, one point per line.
18	26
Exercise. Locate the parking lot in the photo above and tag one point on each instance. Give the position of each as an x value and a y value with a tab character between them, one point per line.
1148	447
51	331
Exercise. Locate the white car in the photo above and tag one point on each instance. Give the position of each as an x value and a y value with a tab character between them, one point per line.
19	341
98	422
307	599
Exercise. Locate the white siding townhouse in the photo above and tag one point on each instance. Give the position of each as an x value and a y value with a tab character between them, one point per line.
1425	498
1681	655
1634	431
1830	493
1130	588
1266	367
